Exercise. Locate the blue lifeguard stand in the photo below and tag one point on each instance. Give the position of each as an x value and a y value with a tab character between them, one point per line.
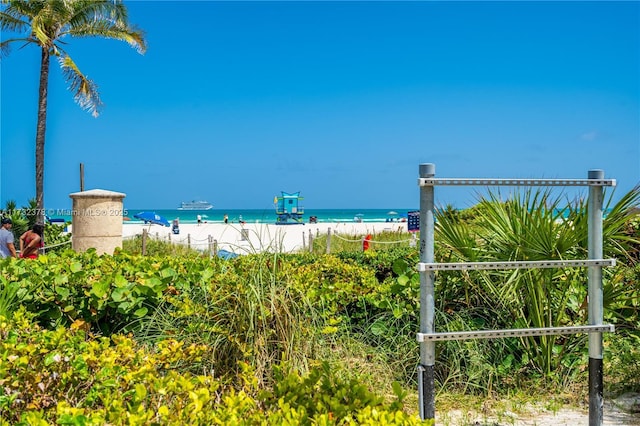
289	209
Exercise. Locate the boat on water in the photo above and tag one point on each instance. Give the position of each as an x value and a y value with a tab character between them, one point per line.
195	205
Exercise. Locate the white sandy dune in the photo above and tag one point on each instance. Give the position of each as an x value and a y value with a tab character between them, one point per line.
258	237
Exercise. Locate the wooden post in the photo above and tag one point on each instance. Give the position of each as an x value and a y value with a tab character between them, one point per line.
144	241
310	242
304	245
328	240
189	240
215	247
81	177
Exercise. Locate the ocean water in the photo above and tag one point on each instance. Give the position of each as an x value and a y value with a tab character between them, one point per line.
269	216
264	215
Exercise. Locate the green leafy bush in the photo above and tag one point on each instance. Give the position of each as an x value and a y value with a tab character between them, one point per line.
66	376
106	292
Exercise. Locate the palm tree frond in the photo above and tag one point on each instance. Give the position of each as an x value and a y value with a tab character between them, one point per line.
12	23
40	31
116	31
85	91
5	48
617	220
86	11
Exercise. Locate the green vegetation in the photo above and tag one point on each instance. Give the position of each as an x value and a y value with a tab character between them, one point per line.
56	240
308	338
155	247
382	241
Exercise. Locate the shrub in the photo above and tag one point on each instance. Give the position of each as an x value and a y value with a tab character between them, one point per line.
66	376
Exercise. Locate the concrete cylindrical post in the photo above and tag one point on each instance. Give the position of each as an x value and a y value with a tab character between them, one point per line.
97	220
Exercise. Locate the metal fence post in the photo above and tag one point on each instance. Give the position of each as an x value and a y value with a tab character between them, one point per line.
427	267
596	195
426	382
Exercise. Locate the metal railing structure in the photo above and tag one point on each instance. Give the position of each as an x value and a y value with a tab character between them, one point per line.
427	267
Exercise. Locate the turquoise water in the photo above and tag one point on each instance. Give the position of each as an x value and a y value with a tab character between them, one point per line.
265	216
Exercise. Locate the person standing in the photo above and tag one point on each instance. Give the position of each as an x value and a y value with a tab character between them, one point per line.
7	248
226	218
31	242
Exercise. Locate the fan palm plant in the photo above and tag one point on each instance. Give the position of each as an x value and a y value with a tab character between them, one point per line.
528	226
46	24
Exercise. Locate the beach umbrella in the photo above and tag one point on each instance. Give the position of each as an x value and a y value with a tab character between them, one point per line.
392	213
152	217
224	254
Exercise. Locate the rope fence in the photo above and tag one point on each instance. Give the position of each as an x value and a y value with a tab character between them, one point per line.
43	250
49	247
365	241
246	241
241	244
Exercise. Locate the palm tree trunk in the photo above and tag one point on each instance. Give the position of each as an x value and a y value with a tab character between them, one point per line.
40	132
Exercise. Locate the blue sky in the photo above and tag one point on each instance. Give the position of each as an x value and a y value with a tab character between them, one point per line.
236	101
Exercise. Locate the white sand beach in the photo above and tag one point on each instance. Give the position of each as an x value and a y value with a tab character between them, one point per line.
258	237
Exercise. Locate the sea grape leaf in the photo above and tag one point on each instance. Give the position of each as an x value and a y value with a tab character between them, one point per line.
62	292
100	289
207	274
379	328
119	294
61	279
141	312
120	281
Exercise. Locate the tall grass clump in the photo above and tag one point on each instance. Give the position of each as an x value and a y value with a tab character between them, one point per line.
245	311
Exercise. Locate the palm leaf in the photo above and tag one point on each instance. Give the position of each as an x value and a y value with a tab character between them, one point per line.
12	23
85	91
529	225
116	31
